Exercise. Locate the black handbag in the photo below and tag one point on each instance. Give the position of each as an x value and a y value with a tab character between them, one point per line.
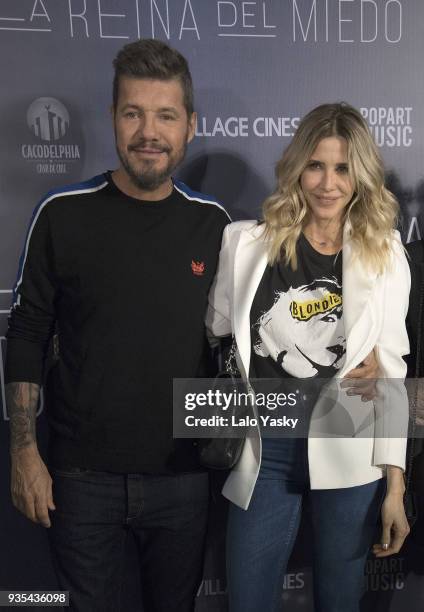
221	452
409	499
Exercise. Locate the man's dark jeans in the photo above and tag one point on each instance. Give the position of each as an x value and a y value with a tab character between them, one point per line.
94	513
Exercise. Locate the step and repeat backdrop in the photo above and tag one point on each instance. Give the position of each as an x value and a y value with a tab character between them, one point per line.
257	67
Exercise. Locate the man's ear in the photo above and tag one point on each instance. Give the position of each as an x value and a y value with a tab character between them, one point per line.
192	122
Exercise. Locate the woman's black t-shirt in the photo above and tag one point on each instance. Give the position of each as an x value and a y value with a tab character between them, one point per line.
297	318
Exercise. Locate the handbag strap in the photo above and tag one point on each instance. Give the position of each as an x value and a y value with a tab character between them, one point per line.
231	363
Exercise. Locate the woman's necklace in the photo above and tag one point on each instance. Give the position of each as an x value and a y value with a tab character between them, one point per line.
318	242
328	242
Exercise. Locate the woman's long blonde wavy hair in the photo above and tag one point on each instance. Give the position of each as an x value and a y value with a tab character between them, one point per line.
373	210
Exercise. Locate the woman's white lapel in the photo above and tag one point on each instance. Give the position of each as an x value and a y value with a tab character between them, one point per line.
249	265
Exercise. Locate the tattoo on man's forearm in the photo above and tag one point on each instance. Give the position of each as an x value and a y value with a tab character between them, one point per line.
22	401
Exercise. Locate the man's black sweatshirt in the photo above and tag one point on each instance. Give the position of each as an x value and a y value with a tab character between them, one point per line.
124	284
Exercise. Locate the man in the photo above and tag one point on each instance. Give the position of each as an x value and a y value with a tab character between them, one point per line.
415	319
415	361
119	267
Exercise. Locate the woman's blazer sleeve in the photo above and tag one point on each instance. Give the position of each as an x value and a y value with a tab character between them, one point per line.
218	315
392	344
393	340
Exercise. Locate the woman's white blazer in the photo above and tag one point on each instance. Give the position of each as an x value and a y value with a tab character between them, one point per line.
374	311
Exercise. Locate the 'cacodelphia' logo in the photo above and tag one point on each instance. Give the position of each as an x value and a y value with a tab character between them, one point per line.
49	121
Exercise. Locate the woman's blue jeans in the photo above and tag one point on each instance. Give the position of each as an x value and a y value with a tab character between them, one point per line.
260	540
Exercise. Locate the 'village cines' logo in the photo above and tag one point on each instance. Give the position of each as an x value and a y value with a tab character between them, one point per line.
49	122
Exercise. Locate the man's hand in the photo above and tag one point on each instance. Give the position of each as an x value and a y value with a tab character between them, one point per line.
420	409
362	379
31	485
415	388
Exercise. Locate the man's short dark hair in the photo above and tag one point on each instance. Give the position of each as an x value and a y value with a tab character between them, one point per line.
153	59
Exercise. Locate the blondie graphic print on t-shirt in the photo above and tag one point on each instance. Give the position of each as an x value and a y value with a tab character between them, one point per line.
296	318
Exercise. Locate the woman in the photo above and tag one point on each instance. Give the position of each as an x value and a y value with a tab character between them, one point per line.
327	241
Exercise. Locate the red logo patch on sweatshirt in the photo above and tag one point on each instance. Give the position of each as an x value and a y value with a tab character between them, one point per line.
198	267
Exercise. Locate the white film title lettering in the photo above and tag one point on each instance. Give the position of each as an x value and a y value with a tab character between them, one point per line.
341	20
313	12
80	15
158	22
246	14
243	18
221	23
157	12
103	16
311	20
193	27
366	7
17	24
393	3
43	14
162	18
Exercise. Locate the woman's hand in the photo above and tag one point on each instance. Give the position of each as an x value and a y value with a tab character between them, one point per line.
362	379
395	524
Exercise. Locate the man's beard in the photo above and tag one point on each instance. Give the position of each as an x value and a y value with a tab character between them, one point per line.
150	179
